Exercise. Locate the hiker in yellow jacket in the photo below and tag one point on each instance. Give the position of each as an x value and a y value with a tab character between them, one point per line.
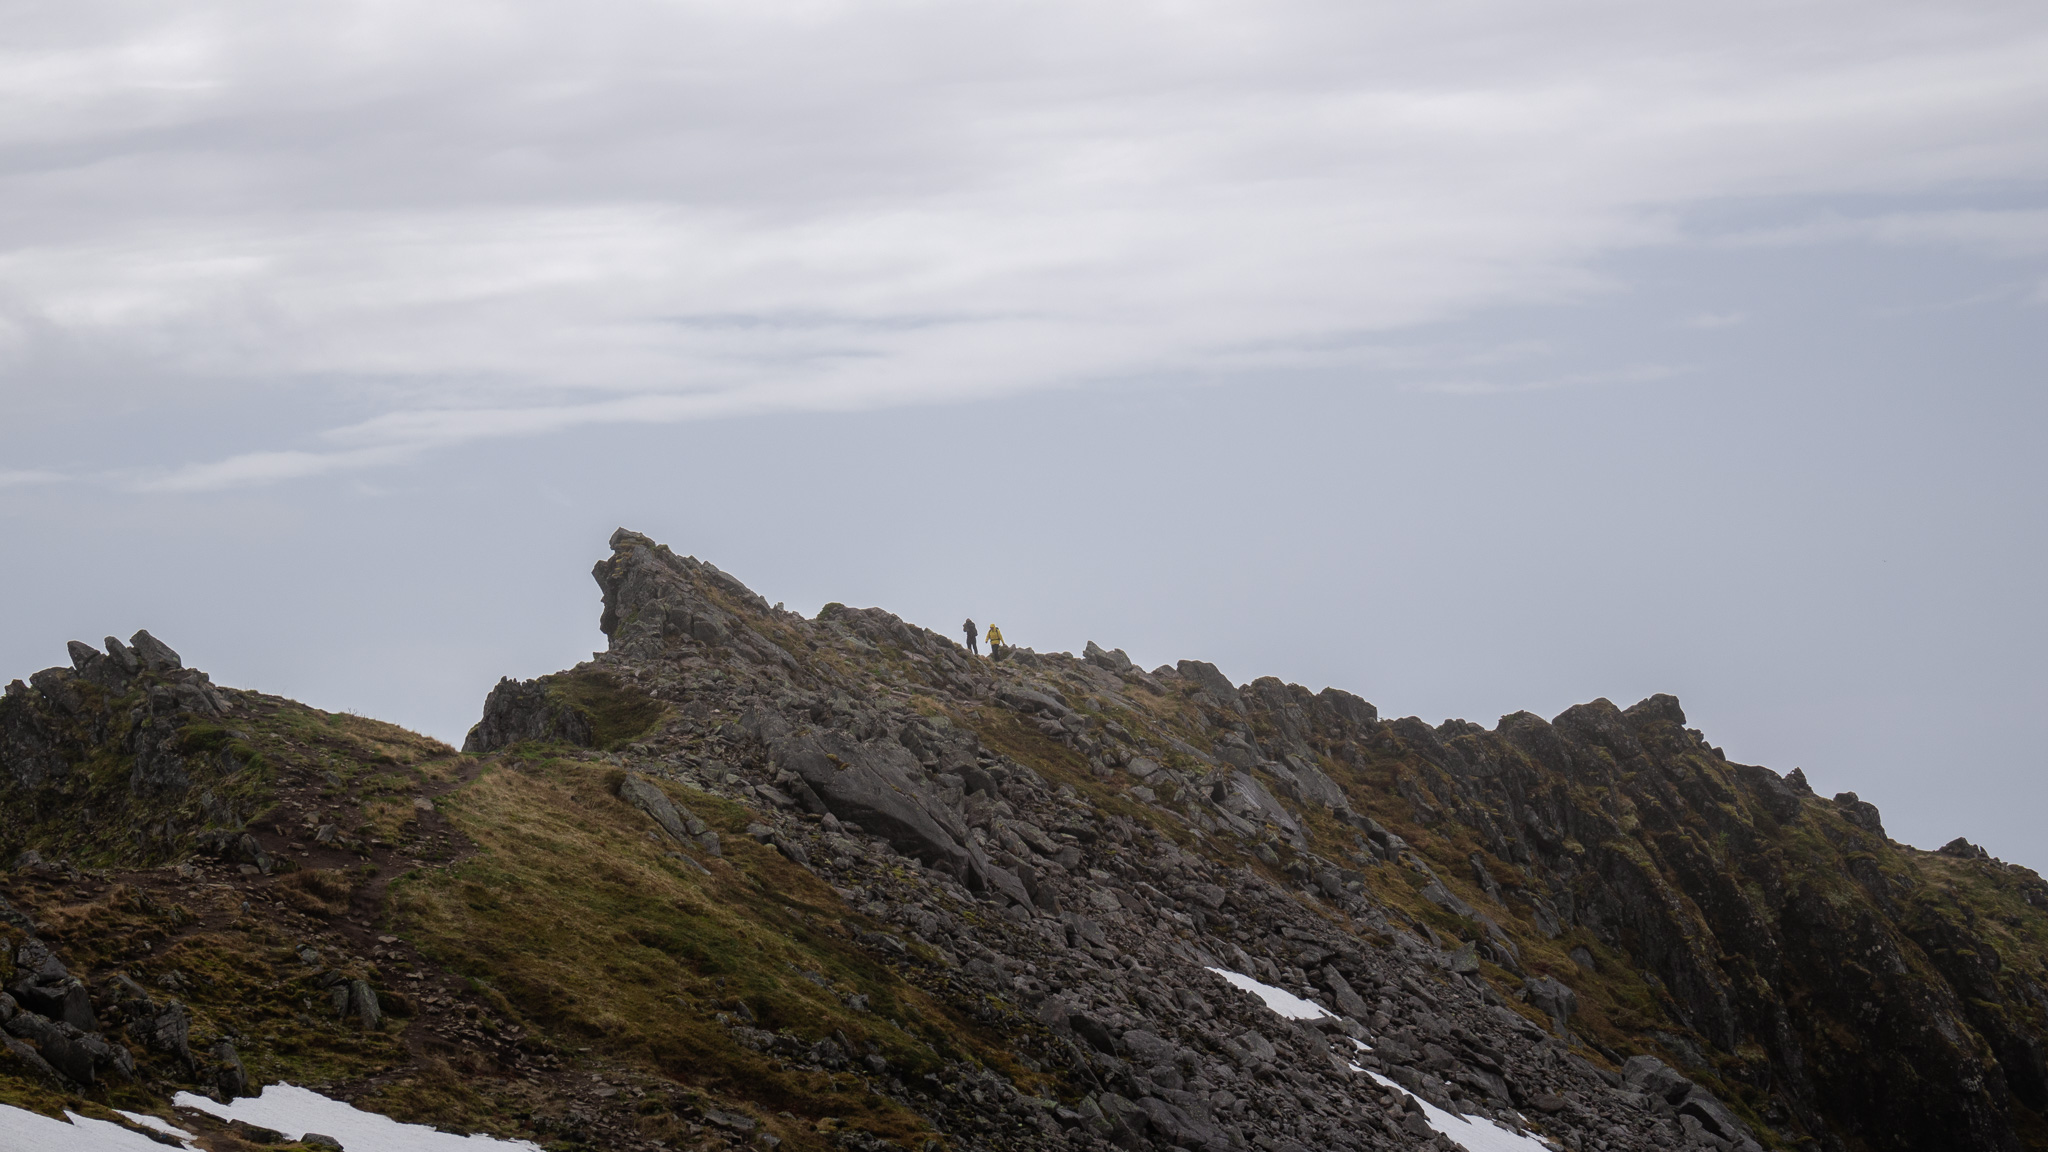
995	642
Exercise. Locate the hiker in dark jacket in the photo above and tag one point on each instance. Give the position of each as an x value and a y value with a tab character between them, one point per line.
971	634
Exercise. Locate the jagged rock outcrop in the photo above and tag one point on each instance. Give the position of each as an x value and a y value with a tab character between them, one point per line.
137	706
519	710
655	600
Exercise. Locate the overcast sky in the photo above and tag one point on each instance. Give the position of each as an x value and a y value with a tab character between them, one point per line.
1471	356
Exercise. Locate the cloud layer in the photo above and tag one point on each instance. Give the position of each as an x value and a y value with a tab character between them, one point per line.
480	219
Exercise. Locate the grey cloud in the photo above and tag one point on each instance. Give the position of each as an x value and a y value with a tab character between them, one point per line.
1487	386
503	219
2007	232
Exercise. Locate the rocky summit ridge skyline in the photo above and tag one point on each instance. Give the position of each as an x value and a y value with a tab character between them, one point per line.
747	878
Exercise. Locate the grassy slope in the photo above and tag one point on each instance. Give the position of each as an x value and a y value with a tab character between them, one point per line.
583	926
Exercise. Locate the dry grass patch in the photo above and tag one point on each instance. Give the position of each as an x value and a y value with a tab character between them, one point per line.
315	891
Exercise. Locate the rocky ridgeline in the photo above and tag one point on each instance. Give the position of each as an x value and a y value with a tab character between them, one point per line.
1785	950
1595	931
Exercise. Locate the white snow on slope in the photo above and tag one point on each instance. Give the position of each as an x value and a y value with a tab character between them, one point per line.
296	1111
1282	1003
291	1110
24	1131
1479	1135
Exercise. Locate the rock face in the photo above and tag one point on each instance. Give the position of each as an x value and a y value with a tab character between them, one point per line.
1685	869
654	600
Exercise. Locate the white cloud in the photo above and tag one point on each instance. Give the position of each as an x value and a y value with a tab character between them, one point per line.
20	478
494	219
264	468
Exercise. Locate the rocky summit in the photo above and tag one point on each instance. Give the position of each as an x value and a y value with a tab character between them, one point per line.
751	879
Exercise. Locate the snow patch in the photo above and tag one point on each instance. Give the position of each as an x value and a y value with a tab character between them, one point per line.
296	1111
24	1131
1282	1003
1480	1135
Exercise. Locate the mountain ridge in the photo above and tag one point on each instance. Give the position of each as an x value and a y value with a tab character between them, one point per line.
1594	927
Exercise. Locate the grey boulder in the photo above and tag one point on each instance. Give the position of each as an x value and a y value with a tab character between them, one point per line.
880	786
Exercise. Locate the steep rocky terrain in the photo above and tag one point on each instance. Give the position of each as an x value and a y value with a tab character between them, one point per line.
748	878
